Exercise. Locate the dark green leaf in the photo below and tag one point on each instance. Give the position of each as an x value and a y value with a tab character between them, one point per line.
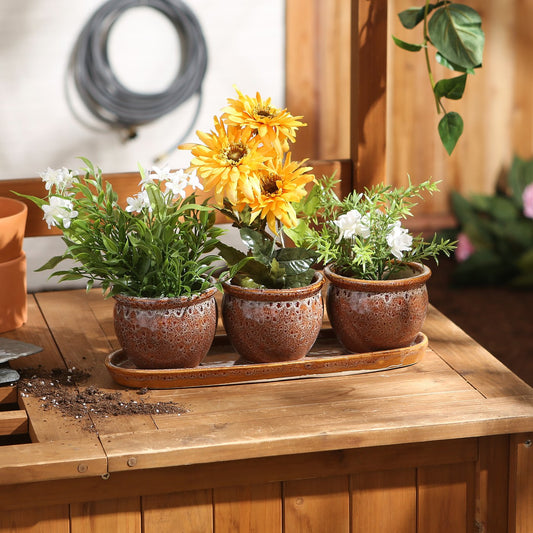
410	47
51	263
441	60
450	129
262	248
452	88
455	30
412	16
520	175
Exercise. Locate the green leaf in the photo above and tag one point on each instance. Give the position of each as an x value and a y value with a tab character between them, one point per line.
295	260
450	129
407	46
520	175
262	248
441	60
455	30
51	263
412	16
452	88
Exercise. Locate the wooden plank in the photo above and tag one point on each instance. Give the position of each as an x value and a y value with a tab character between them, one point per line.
492	483
241	472
302	73
470	360
255	508
446	498
28	463
368	92
333	105
108	515
317	505
8	394
13	422
49	425
49	519
192	510
521	483
85	349
384	501
301	428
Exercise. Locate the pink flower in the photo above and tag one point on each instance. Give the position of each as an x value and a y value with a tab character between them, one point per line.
464	249
527	198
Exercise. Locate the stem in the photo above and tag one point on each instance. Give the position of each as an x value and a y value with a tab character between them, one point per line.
428	64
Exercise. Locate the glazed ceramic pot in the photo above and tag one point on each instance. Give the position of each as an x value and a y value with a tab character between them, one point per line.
166	332
273	325
13	306
369	315
13	214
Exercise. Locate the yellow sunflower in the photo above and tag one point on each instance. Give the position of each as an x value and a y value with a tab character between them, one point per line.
282	183
228	162
273	125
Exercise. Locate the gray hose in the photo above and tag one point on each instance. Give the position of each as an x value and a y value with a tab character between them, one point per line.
102	93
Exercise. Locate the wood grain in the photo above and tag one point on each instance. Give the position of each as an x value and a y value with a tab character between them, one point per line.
13	422
384	501
191	511
521	483
247	508
317	505
50	519
446	498
109	515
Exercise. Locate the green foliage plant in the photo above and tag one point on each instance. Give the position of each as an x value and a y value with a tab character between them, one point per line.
454	30
158	246
361	235
496	231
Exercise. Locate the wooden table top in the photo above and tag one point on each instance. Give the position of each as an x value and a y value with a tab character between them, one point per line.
458	390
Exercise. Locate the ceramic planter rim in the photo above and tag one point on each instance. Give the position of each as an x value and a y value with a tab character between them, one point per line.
154	303
372	285
22	207
274	295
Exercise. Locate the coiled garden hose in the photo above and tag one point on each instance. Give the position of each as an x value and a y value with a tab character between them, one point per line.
106	98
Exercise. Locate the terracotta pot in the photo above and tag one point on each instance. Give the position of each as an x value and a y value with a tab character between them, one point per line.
13	215
272	325
13	306
166	332
371	315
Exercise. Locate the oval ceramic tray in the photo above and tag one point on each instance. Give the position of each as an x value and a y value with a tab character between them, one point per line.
223	366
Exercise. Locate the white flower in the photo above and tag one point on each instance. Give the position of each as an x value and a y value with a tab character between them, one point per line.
59	210
353	224
138	202
194	182
60	178
399	240
151	177
177	182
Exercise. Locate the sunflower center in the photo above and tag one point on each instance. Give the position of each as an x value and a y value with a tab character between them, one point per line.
265	112
269	185
235	152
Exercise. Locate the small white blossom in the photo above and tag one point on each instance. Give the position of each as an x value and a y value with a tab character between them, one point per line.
177	182
151	177
399	240
61	179
59	210
194	182
138	202
353	224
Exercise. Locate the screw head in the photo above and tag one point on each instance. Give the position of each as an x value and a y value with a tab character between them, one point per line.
132	461
528	443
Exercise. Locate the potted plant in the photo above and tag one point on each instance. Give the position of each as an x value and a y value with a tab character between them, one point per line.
272	309
377	297
153	257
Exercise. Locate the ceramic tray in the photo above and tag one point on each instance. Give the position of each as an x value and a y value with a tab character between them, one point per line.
222	365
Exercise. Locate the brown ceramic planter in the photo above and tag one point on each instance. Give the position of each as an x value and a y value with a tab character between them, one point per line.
13	307
13	215
166	332
371	315
272	325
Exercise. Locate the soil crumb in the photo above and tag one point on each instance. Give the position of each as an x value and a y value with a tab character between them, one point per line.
63	390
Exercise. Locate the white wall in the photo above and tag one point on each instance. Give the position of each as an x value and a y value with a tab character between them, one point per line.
246	46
